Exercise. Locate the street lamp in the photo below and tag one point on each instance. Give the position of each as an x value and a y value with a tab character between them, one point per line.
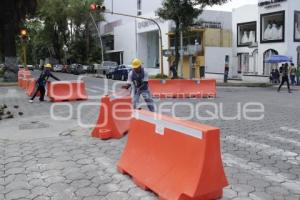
24	37
95	7
65	49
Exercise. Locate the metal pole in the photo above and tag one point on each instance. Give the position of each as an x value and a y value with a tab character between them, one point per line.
101	44
159	30
181	52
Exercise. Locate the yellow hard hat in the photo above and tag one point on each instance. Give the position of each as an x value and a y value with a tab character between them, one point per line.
136	63
48	65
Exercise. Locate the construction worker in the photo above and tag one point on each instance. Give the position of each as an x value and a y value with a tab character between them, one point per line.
42	81
138	80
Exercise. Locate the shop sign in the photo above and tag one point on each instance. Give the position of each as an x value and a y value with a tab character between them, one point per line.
269	3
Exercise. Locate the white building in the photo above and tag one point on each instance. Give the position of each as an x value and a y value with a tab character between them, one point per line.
259	31
126	38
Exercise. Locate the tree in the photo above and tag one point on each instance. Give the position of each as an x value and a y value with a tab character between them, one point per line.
67	22
183	13
12	15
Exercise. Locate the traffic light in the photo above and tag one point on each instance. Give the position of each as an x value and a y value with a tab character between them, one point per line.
96	7
24	34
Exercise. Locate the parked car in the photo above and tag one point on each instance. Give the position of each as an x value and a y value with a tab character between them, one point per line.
91	69
30	67
85	68
76	69
66	69
106	66
58	68
121	72
110	71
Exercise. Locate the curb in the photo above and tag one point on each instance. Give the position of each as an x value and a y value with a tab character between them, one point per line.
262	85
3	84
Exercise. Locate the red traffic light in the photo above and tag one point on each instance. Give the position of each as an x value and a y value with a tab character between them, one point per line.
95	7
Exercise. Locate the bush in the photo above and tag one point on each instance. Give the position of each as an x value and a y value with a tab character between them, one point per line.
159	76
1	72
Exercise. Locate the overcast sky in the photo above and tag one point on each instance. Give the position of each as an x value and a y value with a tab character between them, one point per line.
233	4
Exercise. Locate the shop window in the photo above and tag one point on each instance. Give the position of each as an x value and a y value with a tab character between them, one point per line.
272	27
243	63
190	38
246	34
297	26
267	66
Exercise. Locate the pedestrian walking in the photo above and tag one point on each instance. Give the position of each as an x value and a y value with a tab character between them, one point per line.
42	81
277	76
138	79
285	77
293	74
298	75
173	69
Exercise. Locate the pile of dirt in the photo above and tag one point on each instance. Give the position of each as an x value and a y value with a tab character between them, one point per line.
6	113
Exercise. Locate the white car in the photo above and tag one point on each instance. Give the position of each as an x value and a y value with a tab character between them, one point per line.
107	65
58	68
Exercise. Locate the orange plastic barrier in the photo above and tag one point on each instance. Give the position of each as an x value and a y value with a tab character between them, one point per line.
31	87
24	82
58	91
183	88
176	159
23	75
114	117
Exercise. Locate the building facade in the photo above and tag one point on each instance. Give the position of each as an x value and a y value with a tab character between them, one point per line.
272	27
125	38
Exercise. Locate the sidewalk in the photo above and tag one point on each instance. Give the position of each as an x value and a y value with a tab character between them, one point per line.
237	83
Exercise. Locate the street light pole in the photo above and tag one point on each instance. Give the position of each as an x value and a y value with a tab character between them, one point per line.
159	30
101	43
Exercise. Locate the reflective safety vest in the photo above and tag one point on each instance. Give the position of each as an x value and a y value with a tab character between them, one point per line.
138	80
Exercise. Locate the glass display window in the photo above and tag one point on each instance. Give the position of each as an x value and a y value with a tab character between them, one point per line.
297	26
272	27
246	34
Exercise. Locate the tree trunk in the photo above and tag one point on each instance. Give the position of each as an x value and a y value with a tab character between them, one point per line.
11	63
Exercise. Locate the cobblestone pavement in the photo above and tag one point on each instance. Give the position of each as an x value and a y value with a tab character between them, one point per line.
261	158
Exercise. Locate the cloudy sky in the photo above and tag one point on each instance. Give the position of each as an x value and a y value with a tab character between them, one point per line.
234	4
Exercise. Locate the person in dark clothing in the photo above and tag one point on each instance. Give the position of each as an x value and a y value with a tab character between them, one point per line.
173	69
42	81
277	76
285	77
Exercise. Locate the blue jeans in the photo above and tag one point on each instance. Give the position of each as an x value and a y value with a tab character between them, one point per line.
147	97
292	77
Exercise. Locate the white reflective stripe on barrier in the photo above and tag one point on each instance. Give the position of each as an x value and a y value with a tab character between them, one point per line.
160	126
65	82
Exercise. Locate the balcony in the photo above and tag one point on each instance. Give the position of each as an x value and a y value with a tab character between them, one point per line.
189	50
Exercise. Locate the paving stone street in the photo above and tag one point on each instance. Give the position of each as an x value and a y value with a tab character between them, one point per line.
43	159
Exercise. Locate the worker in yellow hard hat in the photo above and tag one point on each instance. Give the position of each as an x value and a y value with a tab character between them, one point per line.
138	80
42	81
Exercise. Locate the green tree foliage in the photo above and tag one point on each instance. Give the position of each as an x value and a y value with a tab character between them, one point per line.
12	16
64	22
183	13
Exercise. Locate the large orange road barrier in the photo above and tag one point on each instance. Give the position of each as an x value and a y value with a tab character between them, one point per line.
176	159
23	75
114	117
183	88
58	91
24	81
31	87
